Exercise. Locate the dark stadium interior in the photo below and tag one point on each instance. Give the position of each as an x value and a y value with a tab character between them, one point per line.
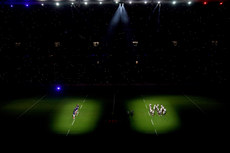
175	50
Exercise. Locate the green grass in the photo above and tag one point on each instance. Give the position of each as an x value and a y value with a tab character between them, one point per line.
143	122
85	122
57	113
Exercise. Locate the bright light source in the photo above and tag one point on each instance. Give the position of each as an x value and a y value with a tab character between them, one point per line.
11	5
18	44
130	2
72	3
145	2
205	3
96	43
57	4
42	4
174	2
100	2
135	43
159	2
58	88
27	5
86	3
116	2
189	2
221	3
174	43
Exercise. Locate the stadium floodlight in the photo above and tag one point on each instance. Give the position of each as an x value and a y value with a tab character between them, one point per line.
205	3
189	2
27	5
174	2
100	2
130	2
116	2
145	2
11	6
221	3
57	4
42	4
86	3
158	2
72	3
58	88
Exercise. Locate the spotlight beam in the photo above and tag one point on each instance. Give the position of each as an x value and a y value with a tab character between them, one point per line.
126	26
114	22
154	10
119	16
124	15
158	18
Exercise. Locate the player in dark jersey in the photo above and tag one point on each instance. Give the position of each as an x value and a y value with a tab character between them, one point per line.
75	111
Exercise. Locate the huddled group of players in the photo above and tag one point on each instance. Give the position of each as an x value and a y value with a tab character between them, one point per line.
160	111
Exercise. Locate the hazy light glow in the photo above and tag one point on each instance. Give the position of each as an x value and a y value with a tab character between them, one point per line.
57	4
174	2
58	88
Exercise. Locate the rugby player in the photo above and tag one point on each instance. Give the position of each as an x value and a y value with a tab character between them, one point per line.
75	111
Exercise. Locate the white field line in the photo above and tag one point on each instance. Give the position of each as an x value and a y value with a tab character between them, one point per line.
29	108
70	127
156	122
152	122
156	132
85	98
76	115
73	122
150	115
194	103
67	132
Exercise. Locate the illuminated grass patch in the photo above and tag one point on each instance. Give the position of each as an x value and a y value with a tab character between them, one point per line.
86	121
56	113
143	122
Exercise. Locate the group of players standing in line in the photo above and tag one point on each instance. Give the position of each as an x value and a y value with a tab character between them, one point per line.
160	111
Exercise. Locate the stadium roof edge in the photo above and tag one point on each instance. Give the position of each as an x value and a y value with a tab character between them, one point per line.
64	2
